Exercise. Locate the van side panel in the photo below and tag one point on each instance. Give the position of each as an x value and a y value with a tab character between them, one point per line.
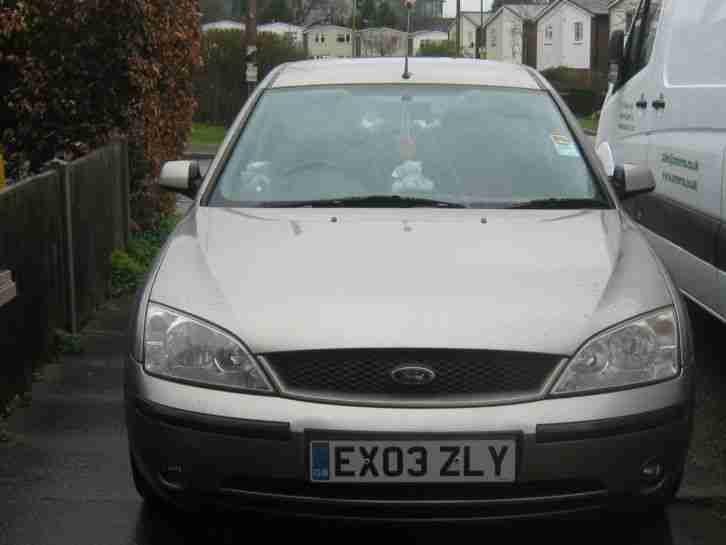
687	147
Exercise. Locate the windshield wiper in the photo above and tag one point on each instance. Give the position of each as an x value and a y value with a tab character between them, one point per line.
560	203
367	201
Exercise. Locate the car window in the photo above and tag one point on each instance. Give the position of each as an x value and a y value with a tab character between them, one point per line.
696	51
473	145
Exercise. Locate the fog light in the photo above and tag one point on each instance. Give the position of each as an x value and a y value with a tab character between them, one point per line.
652	472
173	477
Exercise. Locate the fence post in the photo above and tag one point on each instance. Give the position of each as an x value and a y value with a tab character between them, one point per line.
64	176
125	190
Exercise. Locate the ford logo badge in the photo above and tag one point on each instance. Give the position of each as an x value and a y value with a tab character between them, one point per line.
413	375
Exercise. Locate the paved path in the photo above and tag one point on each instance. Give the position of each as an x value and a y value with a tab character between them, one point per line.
64	478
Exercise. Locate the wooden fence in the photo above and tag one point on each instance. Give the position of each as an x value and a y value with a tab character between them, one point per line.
57	232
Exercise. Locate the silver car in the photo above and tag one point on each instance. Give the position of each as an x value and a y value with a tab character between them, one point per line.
408	299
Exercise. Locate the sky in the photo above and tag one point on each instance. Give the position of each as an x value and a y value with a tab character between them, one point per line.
466	5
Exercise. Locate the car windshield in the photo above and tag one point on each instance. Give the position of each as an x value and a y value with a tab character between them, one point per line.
406	145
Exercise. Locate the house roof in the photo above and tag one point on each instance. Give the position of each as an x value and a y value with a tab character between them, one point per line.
594	7
474	17
223	25
523	11
422	32
430	23
382	29
279	24
321	26
388	71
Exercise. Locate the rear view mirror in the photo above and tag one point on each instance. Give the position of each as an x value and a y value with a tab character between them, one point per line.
617	56
632	180
182	177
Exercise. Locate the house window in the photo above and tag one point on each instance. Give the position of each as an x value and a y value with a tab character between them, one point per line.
470	34
548	34
317	37
494	37
347	38
322	38
578	31
341	38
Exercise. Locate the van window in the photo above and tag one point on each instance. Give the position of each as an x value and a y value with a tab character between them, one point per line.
651	29
696	51
642	35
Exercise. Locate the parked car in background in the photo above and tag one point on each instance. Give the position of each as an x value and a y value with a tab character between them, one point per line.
408	299
665	112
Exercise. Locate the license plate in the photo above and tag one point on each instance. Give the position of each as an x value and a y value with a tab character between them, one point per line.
483	461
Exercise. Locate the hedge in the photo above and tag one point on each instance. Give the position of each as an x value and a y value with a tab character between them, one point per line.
220	84
76	73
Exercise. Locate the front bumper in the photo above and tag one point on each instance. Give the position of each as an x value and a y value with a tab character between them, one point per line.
197	446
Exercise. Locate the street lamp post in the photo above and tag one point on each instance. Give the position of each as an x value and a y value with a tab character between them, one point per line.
458	28
480	41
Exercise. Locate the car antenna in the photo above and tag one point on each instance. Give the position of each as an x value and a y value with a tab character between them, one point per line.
409	4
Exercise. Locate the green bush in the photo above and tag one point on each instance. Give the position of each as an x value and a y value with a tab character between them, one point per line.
126	273
129	268
437	49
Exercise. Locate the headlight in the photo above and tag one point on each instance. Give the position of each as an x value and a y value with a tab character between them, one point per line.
638	352
181	347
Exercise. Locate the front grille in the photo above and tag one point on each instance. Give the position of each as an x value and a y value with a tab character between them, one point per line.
461	375
417	502
415	492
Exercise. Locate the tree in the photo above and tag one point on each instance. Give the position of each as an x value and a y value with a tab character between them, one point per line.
378	43
368	13
339	12
277	10
386	16
220	83
212	10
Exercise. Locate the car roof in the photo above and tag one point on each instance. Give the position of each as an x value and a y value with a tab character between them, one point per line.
390	69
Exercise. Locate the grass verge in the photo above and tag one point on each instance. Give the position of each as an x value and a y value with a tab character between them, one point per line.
589	122
206	135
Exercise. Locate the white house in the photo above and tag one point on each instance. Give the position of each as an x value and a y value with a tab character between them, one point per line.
507	29
573	34
285	30
325	40
223	25
622	13
470	22
382	42
423	37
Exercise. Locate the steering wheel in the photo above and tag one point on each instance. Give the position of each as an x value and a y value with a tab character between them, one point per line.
307	165
321	164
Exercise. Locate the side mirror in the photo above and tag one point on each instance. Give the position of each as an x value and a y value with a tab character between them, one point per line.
632	180
182	177
616	51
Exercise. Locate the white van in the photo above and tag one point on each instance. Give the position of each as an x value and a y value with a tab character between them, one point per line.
666	109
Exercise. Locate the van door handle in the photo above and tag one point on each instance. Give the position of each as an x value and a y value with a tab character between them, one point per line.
659	104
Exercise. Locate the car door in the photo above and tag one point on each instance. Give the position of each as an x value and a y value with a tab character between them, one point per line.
686	42
627	105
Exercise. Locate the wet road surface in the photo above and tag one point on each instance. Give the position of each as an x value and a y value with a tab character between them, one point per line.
65	478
